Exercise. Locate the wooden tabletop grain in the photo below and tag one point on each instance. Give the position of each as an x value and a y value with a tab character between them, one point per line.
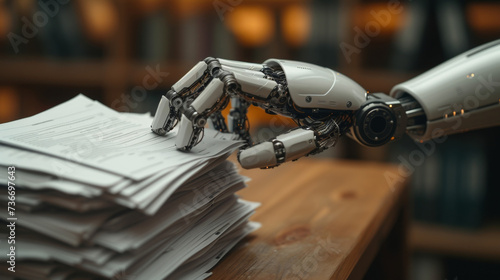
319	219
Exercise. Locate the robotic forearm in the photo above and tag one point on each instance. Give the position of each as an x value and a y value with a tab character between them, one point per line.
326	104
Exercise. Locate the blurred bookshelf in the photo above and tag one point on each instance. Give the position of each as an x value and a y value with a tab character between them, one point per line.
112	54
120	38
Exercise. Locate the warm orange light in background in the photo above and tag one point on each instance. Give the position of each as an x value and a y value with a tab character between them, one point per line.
296	24
25	7
9	104
258	119
4	21
100	19
484	17
252	25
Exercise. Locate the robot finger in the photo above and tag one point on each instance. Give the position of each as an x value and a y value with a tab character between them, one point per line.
285	147
168	111
194	117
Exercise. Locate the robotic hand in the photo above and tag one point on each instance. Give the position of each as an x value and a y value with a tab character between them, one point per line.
326	104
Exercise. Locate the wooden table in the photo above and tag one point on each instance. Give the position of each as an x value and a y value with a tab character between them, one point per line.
323	219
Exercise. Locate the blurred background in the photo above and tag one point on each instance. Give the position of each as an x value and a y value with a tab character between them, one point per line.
127	53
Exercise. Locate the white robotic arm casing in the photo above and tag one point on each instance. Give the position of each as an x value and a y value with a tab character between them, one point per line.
458	95
313	86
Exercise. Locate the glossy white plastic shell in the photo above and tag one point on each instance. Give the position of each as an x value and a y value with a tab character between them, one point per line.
313	86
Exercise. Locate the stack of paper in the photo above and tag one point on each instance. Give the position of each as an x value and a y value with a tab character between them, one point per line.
88	192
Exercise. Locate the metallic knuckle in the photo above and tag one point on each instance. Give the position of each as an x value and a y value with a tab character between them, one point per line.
279	150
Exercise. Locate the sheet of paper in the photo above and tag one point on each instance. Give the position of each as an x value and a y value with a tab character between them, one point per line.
54	166
197	268
101	138
39	181
70	229
193	241
143	230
